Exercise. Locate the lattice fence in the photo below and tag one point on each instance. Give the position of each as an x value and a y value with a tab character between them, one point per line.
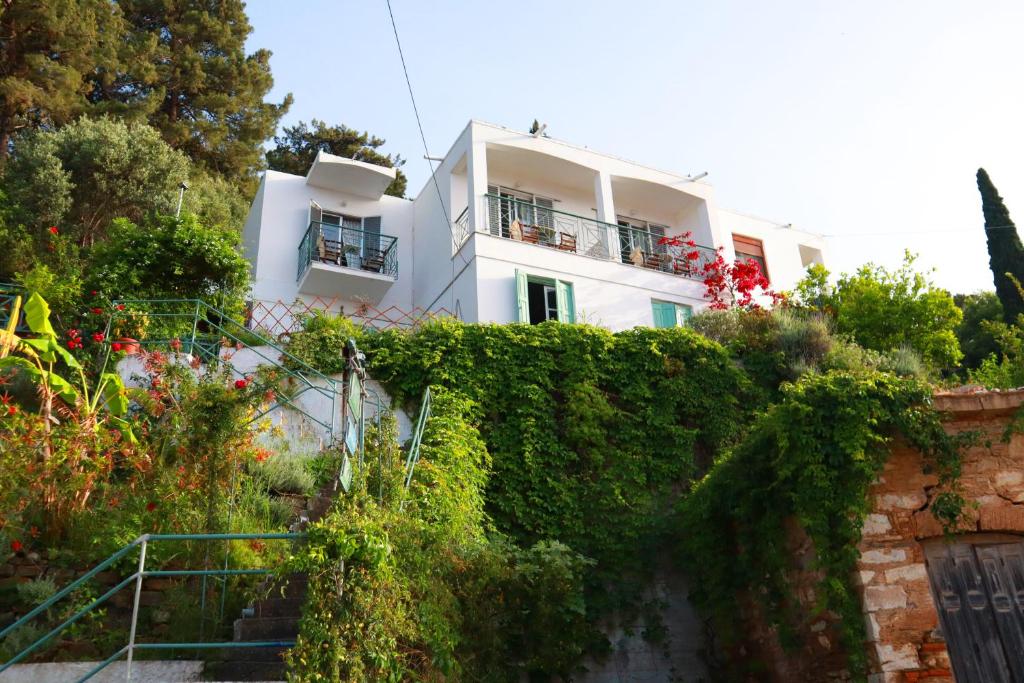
278	318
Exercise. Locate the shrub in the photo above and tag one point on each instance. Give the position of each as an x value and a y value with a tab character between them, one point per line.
322	341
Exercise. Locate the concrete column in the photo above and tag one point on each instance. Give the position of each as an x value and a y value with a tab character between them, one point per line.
476	172
606	211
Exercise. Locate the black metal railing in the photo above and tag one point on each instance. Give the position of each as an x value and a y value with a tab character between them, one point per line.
349	248
535	224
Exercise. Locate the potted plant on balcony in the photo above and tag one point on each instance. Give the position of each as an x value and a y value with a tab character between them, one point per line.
128	328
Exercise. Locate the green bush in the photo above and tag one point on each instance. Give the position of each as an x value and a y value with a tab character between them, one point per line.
322	341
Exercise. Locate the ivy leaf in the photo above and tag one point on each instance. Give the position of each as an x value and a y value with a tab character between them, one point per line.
37	315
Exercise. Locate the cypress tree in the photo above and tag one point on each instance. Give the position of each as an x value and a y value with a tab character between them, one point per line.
1005	252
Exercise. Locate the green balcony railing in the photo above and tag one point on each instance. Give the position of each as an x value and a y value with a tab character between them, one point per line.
535	224
354	248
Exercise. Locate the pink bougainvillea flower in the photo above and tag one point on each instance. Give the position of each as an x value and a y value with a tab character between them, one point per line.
98	337
16	546
116	346
54	230
240	384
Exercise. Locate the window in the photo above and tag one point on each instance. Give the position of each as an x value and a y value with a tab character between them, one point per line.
668	314
539	299
639	239
528	209
750	248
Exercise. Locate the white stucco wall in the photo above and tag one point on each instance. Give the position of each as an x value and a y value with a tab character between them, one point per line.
477	281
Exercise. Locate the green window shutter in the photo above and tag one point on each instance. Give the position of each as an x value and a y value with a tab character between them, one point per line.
664	314
522	297
683	314
566	302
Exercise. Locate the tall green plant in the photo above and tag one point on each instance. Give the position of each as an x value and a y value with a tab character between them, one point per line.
1005	252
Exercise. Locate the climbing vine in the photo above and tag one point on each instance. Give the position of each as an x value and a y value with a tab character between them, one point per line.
809	458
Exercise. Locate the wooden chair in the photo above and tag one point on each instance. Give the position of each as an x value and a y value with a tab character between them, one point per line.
566	242
531	234
373	261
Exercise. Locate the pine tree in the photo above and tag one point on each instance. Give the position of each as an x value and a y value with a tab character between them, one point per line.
47	50
296	149
1005	252
191	78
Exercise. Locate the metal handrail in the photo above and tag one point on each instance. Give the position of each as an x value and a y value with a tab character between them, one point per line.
572	233
347	247
226	327
462	230
137	577
417	442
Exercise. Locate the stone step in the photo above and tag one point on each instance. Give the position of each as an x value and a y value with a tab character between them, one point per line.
244	671
277	607
266	628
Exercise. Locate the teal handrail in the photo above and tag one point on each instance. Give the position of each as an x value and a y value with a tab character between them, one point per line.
191	311
137	577
417	442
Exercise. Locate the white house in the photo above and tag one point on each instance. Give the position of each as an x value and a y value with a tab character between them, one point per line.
512	227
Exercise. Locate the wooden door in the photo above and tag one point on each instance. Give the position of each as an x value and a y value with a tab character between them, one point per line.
979	593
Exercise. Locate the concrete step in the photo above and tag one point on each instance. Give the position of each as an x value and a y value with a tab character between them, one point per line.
244	671
277	607
266	628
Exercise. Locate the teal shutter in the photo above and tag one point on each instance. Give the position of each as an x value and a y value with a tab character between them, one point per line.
683	314
566	302
664	314
522	297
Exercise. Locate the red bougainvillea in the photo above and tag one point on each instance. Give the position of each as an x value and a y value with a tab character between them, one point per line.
741	284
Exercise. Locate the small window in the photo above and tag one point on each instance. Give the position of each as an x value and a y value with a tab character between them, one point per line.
669	314
541	299
752	249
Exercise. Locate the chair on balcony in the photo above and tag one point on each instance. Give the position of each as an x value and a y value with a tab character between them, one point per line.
373	261
329	251
566	242
531	234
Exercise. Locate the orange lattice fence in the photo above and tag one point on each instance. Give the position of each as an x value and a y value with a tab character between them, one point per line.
279	318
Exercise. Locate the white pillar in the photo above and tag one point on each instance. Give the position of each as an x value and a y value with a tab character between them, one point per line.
476	172
606	211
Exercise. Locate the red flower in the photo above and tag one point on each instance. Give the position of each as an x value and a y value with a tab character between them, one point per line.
150	506
116	346
240	384
94	292
97	310
176	344
120	307
98	337
53	230
16	546
11	410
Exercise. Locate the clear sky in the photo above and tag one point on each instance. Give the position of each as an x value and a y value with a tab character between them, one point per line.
864	120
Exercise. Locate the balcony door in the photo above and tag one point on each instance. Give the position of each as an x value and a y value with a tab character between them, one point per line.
639	240
505	206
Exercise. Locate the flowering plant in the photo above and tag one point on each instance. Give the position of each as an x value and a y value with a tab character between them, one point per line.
741	284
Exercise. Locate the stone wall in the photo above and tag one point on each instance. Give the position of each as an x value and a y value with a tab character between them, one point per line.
905	643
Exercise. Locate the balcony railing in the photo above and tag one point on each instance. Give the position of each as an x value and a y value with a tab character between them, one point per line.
527	222
338	245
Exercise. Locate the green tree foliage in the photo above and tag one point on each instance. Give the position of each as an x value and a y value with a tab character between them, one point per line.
809	458
1005	252
168	258
191	77
975	333
84	175
295	151
46	51
884	310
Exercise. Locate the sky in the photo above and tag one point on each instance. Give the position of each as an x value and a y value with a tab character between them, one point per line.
863	121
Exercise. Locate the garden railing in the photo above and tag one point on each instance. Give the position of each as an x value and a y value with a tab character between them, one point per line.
141	573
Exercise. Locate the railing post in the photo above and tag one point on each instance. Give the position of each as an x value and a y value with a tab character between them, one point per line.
135	607
195	326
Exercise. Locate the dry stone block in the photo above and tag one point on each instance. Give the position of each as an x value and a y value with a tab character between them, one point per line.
901	658
884	597
1010	485
901	501
884	556
911	572
876	525
1006	518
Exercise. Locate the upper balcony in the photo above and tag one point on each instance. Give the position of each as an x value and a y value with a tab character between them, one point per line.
340	260
537	222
